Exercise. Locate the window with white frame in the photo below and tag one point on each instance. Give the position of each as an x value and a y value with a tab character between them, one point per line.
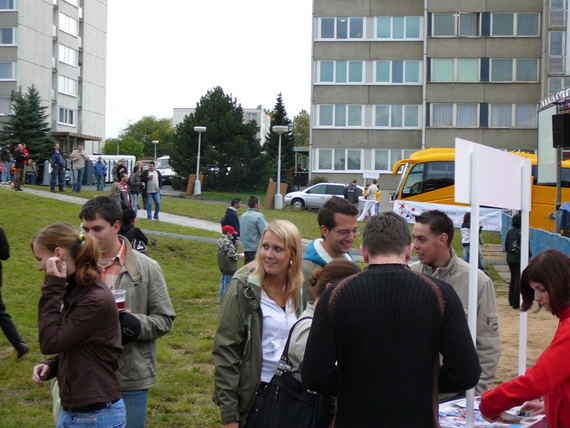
251	116
7	70
67	116
514	70
68	55
558	13
341	28
341	71
7	36
558	83
455	70
459	115
5	106
397	116
399	28
68	24
7	4
339	159
513	115
514	24
340	115
385	159
67	86
398	72
556	51
455	24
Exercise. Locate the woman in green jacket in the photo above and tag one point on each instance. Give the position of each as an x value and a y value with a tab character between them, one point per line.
259	308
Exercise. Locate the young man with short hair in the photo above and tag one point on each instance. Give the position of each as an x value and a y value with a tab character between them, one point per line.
78	158
433	234
230	218
153	182
252	224
147	299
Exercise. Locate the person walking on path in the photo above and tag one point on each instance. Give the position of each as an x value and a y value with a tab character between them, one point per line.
78	158
153	182
252	224
6	322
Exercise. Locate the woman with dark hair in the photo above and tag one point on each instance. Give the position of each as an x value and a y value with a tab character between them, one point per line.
332	272
513	250
546	280
78	320
259	307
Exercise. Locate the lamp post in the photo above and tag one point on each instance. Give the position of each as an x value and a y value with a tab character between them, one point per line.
155	142
197	187
278	201
118	140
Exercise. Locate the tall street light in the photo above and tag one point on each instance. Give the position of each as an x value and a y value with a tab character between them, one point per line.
118	140
155	142
197	187
278	201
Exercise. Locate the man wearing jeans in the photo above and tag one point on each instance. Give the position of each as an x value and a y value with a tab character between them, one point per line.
147	299
78	158
153	181
5	157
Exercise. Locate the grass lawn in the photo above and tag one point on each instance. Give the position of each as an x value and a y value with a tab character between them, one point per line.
181	396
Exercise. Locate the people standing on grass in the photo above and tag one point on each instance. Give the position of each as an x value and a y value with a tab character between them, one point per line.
259	308
57	163
370	205
513	250
466	241
5	154
227	258
31	172
135	187
78	158
78	320
100	173
21	159
546	280
152	182
230	218
252	224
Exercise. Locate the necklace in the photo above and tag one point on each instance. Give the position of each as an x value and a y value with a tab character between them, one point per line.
282	290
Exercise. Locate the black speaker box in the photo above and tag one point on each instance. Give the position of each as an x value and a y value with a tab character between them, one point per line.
561	130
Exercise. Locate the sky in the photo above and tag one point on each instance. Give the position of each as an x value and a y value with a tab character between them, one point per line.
168	54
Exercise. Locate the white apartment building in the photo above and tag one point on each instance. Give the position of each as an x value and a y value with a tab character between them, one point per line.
60	46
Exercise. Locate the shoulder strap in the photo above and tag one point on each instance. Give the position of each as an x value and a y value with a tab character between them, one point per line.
284	364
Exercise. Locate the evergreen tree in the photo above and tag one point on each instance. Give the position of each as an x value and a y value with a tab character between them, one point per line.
28	125
271	146
230	154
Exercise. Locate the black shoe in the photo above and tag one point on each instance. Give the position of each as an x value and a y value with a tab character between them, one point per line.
23	349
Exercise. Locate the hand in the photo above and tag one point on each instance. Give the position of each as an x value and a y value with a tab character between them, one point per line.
241	255
494	418
56	267
536	406
40	372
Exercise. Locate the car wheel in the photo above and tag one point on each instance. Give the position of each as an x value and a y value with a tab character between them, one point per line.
298	204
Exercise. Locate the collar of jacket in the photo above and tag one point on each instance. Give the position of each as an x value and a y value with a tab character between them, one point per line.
130	266
441	272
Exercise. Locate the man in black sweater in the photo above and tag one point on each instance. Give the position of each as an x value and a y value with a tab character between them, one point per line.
375	339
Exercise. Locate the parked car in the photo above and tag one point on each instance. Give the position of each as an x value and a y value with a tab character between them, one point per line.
314	196
163	166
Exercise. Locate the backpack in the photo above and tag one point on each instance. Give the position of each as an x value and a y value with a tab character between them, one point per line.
223	221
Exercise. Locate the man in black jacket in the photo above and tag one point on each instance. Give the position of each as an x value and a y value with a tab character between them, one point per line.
6	322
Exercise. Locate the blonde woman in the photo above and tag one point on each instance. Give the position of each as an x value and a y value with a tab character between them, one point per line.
260	305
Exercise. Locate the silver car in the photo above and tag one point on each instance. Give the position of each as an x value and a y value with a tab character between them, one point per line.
314	196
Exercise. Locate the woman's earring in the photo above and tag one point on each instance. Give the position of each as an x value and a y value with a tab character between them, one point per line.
290	262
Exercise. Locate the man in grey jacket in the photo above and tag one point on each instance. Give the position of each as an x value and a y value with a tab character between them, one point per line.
252	225
433	234
147	299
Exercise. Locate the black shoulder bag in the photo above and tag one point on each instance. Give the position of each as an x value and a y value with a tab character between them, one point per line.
289	404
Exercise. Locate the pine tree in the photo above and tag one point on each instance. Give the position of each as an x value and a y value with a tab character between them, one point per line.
271	146
28	125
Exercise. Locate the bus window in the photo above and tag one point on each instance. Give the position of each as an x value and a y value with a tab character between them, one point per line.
429	176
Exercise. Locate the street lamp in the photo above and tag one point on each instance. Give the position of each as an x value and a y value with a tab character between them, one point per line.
197	188
155	142
278	201
118	140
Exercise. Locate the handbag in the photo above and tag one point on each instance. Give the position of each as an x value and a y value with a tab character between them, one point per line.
288	403
516	247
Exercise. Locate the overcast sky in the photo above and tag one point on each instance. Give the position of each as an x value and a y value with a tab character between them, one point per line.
167	54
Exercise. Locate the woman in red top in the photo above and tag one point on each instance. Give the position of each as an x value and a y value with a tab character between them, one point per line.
547	281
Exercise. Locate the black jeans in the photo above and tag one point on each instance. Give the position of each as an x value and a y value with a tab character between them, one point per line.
6	322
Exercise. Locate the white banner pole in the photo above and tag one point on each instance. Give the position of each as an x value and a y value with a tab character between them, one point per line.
526	188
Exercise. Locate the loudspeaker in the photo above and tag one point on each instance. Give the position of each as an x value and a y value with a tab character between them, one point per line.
561	130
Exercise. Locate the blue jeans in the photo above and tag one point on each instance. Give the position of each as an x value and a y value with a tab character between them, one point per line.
100	180
110	417
32	180
135	404
466	256
77	177
6	175
226	279
134	201
57	174
156	198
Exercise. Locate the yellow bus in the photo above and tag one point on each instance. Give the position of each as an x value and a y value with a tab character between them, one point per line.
429	176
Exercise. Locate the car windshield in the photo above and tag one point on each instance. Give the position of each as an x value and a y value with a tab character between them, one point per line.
162	163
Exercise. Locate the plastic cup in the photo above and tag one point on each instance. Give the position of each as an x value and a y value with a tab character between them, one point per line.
120	296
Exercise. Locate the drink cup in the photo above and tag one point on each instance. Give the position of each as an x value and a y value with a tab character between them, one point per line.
120	298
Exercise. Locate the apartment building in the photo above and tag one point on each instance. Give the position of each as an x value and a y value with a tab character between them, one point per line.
60	47
390	77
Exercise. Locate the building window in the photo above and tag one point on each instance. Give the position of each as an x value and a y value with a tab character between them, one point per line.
454	115
509	115
68	24
7	4
341	28
397	116
455	24
398	28
251	116
66	116
385	159
67	86
398	72
341	71
558	13
68	55
557	83
556	51
514	24
73	2
514	70
7	36
339	159
455	70
5	106
340	115
7	70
